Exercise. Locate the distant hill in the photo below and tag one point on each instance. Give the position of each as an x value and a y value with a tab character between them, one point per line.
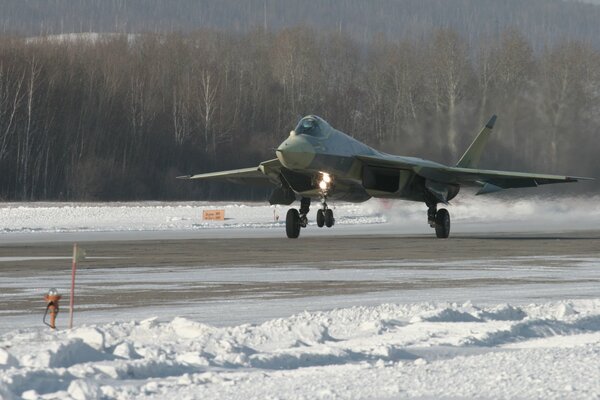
543	22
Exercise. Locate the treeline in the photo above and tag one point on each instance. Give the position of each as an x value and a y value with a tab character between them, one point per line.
542	22
118	117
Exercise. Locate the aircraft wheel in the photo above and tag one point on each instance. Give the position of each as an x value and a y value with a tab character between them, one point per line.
320	218
329	220
292	223
442	223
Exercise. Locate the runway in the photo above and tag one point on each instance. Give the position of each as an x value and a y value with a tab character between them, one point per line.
274	249
210	316
230	281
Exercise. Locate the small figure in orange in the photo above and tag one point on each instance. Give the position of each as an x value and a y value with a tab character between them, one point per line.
52	298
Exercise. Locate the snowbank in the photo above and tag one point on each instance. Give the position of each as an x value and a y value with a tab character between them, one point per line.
156	216
548	350
469	214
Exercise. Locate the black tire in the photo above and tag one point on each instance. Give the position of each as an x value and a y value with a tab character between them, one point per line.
442	223
292	223
320	218
329	221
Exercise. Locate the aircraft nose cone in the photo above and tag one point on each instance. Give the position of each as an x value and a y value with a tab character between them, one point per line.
295	153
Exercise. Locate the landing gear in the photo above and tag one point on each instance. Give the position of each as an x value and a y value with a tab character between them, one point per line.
329	220
304	209
325	216
320	218
292	223
442	224
294	219
297	219
439	219
431	211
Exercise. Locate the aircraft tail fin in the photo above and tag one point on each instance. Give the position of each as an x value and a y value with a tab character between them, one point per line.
471	157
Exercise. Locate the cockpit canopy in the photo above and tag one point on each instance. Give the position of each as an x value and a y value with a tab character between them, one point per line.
310	125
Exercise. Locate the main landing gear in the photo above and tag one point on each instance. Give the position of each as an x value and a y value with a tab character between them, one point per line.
297	219
294	220
440	220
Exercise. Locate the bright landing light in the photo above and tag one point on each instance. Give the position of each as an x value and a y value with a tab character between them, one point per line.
325	181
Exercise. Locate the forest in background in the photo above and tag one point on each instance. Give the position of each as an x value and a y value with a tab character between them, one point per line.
117	117
542	22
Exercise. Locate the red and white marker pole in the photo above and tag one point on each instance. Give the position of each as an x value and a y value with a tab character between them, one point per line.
72	300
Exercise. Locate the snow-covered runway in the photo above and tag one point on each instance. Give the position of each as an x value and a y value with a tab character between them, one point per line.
232	295
497	315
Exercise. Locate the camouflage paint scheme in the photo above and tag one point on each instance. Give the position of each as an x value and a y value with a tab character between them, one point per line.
360	172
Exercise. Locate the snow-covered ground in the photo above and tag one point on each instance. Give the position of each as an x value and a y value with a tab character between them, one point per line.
447	334
469	214
425	350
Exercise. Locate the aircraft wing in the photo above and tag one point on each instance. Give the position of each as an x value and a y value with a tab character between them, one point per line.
493	181
489	180
266	173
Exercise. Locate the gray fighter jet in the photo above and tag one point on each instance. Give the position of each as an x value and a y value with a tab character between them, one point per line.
319	162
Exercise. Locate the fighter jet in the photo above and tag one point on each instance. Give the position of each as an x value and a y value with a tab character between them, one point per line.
319	162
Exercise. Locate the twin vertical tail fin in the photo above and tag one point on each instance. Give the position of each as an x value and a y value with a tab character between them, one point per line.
471	157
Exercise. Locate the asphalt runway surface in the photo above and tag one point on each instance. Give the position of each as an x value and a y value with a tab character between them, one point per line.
335	271
206	251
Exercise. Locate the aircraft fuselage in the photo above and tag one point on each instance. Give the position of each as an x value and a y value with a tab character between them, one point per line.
306	154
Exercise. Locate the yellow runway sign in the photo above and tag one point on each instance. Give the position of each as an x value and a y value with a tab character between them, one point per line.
213	215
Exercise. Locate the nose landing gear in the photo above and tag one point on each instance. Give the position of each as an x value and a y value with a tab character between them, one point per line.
329	220
320	218
325	216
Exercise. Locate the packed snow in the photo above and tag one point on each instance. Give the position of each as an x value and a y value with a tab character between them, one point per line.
469	214
433	350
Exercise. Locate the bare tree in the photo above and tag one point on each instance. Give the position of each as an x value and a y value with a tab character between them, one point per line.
451	71
24	147
207	106
118	118
569	85
181	114
11	96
